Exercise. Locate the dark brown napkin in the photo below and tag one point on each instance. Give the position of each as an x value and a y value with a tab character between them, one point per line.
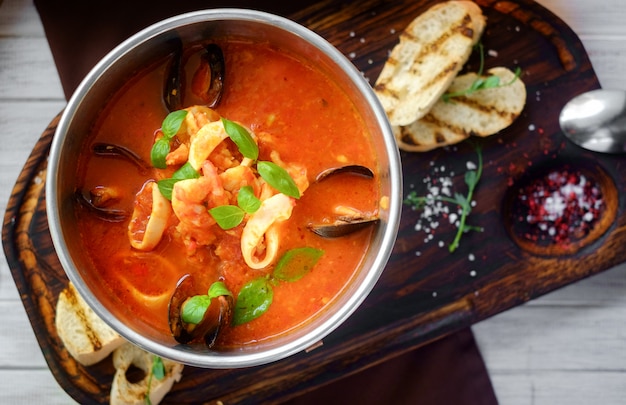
448	371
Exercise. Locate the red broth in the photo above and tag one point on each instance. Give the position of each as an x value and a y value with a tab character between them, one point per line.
303	116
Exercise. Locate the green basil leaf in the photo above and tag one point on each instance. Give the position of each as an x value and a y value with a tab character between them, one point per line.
159	152
295	263
158	368
278	178
166	186
227	216
242	138
172	123
218	288
247	200
253	300
194	309
185	172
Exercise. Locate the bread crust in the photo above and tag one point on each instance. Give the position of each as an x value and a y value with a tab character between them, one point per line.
86	337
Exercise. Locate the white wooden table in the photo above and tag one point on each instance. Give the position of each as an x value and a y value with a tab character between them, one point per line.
568	347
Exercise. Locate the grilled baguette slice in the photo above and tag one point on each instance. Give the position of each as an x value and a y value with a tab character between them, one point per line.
85	336
124	392
432	50
481	113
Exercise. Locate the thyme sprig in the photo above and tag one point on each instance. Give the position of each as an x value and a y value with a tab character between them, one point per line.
472	177
481	82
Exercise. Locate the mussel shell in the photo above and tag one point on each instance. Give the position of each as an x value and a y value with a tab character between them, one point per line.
112	150
352	169
208	80
107	214
172	89
217	316
342	227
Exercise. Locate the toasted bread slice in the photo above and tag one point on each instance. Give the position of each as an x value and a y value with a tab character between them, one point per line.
481	113
85	336
432	50
124	392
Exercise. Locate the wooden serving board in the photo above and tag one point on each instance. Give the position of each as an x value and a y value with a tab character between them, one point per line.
425	292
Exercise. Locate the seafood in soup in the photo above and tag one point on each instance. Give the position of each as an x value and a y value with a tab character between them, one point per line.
234	208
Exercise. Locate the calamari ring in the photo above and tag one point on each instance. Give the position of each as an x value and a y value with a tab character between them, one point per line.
149	220
204	142
261	228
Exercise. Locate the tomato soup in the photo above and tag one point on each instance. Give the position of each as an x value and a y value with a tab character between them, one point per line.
299	119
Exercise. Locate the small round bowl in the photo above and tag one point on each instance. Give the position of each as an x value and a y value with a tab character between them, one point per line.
109	75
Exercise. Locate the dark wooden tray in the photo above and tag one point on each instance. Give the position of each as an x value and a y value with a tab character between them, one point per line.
419	298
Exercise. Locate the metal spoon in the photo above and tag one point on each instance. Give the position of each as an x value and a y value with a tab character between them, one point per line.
596	120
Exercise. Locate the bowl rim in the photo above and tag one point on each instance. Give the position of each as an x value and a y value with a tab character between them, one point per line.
228	359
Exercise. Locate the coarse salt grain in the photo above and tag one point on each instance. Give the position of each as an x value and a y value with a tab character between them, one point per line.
437	184
557	207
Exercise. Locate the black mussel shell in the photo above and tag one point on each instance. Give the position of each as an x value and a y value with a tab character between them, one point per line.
105	149
173	89
352	169
218	315
208	80
342	227
105	213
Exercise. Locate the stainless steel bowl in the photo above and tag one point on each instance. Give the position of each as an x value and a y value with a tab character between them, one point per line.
110	73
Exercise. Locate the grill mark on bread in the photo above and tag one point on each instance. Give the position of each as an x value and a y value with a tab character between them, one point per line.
382	89
443	73
487	109
92	336
430	53
407	138
463	28
431	119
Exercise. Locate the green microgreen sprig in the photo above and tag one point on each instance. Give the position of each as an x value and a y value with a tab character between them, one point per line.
472	177
156	371
481	82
